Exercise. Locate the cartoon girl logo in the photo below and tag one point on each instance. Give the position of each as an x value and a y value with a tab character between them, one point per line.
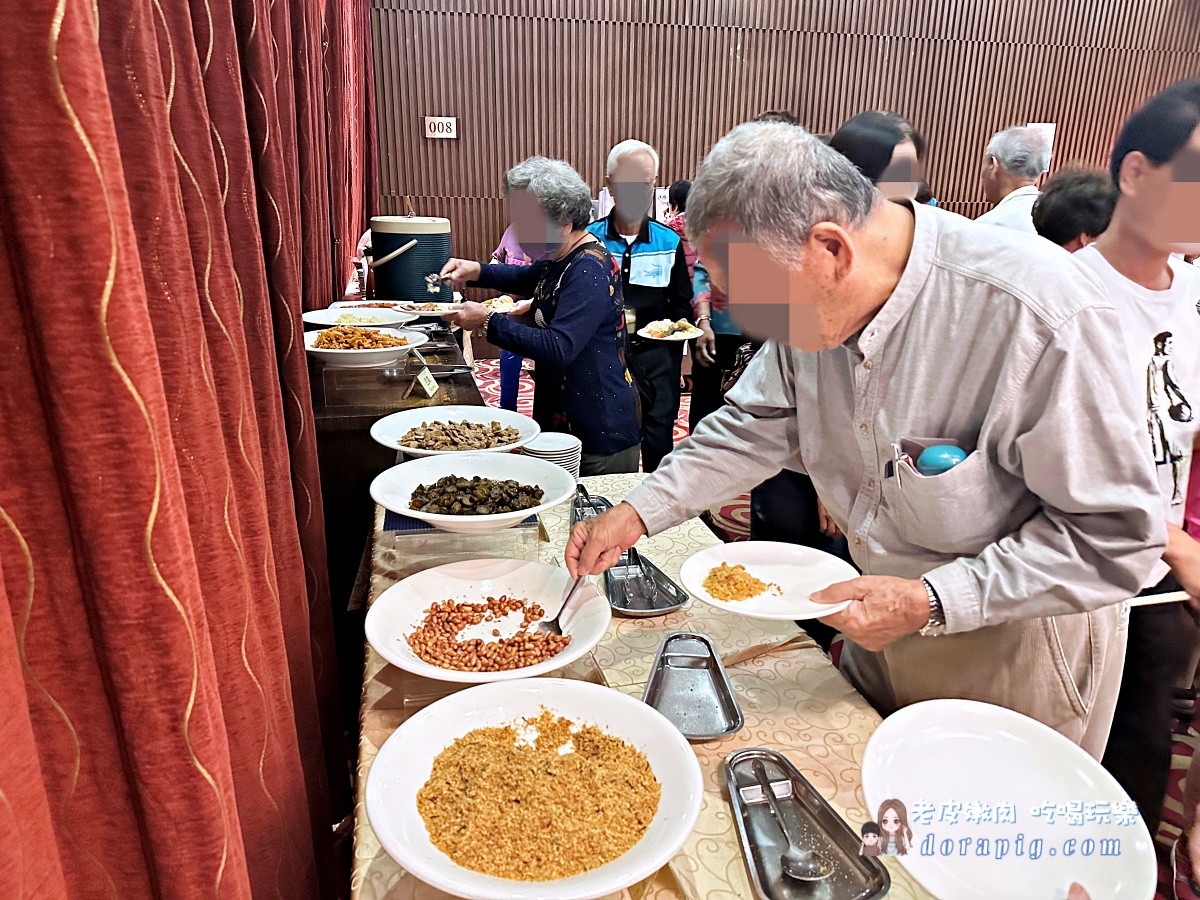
896	839
870	840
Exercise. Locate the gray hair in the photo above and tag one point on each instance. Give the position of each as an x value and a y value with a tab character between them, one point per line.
774	181
624	149
1020	151
562	193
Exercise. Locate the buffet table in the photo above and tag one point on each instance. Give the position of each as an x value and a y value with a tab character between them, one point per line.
793	700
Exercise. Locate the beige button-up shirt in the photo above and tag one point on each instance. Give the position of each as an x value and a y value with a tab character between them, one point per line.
997	342
1014	211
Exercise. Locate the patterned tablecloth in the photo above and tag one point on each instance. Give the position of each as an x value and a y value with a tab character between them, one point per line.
793	700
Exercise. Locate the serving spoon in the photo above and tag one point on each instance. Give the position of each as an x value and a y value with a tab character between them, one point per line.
553	626
802	865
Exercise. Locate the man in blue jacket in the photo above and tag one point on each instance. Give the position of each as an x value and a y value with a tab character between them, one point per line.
655	281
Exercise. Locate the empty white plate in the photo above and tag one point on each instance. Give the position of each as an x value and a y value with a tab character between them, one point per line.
969	776
401	608
405	762
798	571
555	443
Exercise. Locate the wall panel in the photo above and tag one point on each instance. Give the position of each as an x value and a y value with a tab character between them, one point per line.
569	78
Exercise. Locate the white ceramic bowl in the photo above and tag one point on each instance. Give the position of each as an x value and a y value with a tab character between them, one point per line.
964	752
393	488
399	611
366	358
390	429
405	762
389	318
798	571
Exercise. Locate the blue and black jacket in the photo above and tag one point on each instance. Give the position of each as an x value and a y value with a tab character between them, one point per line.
654	272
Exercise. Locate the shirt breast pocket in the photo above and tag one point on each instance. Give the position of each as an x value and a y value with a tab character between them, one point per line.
651	269
956	512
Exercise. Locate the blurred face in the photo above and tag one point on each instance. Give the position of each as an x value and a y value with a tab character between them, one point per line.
632	185
904	173
799	307
890	822
1162	203
537	234
870	838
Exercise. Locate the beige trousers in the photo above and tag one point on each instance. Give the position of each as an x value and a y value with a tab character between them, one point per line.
1063	671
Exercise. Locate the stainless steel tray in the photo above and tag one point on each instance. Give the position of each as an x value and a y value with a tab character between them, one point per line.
587	506
689	686
812	822
637	587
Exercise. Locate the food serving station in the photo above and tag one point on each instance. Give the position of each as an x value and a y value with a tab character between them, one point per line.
665	730
792	699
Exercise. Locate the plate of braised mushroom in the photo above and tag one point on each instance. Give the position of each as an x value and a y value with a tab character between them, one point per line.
473	493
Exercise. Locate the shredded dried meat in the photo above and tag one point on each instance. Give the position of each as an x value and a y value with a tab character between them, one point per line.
499	803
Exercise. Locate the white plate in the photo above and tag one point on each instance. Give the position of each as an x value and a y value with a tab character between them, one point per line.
406	759
393	488
390	429
366	358
352	304
685	336
799	571
330	316
414	306
399	611
556	442
962	751
500	304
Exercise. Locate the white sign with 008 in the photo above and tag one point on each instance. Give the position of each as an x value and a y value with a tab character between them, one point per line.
441	127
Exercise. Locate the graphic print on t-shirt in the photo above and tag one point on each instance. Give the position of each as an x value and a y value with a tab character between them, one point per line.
1164	398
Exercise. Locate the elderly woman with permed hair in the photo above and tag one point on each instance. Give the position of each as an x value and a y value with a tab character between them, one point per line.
574	326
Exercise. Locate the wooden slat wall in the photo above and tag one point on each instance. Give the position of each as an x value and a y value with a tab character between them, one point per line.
569	78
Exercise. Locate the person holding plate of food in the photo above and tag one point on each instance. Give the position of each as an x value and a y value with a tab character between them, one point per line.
998	569
573	326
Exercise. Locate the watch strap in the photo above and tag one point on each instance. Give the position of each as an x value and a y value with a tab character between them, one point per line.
937	614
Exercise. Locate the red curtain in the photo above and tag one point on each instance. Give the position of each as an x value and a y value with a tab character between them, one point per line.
178	180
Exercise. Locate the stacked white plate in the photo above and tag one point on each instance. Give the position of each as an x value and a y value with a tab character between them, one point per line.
564	450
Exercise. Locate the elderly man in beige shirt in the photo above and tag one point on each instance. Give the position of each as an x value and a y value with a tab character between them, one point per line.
1001	580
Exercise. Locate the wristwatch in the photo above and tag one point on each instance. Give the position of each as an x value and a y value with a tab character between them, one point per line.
937	616
704	318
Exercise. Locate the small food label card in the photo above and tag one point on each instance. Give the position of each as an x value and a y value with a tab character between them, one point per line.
428	383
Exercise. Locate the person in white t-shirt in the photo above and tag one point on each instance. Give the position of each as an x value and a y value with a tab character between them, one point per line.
1013	162
1157	297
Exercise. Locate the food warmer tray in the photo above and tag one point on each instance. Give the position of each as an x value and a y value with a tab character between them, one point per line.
637	587
812	822
587	506
689	686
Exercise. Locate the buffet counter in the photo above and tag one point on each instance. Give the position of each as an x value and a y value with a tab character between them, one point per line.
793	700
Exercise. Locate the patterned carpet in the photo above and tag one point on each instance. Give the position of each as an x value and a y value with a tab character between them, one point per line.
731	522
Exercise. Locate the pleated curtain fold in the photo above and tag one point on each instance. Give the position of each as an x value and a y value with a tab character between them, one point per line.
179	179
